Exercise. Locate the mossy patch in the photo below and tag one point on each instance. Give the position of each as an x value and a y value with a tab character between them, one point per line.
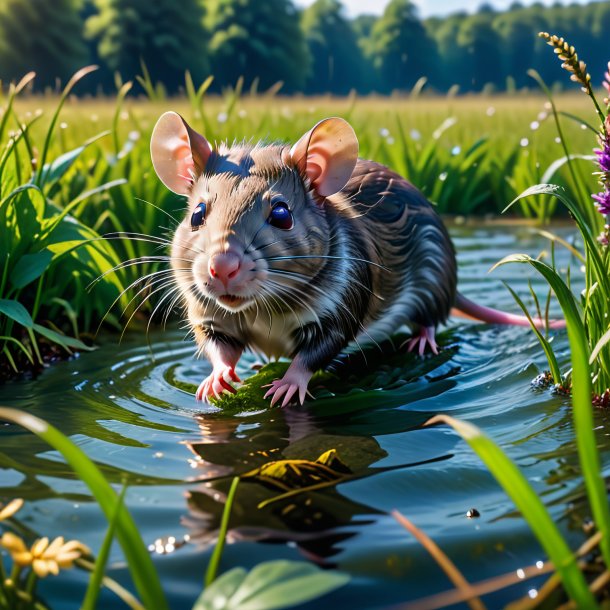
250	394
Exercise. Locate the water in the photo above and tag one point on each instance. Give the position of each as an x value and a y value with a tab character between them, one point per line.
128	411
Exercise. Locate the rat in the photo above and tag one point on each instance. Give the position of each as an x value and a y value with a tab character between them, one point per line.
297	251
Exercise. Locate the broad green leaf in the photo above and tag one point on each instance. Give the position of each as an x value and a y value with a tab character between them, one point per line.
63	340
17	312
554	167
30	267
217	595
530	506
269	586
54	171
140	564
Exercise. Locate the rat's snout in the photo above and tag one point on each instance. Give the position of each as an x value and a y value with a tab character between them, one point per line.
224	266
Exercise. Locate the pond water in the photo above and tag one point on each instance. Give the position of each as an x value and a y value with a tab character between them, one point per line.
126	406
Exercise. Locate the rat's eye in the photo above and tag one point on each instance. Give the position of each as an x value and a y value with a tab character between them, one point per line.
198	216
281	217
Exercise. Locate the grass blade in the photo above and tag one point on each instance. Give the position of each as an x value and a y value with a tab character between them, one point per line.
140	564
582	409
529	504
450	569
546	346
212	570
97	576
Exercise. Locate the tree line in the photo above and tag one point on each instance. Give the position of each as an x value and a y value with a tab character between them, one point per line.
316	50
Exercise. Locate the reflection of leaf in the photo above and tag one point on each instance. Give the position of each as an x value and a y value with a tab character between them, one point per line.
296	474
268	586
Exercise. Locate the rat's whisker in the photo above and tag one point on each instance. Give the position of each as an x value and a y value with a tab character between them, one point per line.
320	256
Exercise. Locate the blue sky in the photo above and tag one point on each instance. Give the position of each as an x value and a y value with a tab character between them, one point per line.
426	7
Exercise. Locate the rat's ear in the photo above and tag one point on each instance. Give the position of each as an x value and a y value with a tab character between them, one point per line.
327	155
179	153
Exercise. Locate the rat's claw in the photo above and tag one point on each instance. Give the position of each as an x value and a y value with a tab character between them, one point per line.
426	336
216	383
293	383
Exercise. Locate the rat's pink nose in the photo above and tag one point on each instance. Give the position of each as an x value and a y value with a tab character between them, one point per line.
224	266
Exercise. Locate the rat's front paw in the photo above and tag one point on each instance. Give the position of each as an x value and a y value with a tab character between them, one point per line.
293	382
216	383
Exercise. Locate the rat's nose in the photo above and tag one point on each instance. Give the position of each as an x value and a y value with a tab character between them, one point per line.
224	266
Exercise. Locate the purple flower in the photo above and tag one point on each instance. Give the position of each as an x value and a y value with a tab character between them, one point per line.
602	202
603	157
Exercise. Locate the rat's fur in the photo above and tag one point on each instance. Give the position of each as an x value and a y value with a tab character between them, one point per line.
393	260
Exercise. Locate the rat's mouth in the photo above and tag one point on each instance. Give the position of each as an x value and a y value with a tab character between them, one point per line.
232	301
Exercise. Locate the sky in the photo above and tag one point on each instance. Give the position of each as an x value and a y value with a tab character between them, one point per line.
427	8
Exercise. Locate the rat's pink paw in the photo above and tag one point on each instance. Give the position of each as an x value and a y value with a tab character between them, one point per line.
216	383
292	383
426	336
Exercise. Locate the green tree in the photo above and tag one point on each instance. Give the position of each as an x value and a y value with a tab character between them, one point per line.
482	48
41	35
337	59
516	31
168	36
257	39
400	48
452	58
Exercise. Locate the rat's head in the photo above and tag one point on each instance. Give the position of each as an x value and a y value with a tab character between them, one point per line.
256	217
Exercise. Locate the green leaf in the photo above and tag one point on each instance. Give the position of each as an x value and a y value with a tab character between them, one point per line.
63	340
218	595
269	586
30	267
140	564
54	171
530	506
16	311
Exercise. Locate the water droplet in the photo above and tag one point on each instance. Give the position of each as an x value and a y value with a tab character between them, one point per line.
384	132
542	116
415	135
534	125
473	513
222	117
63	125
540	564
491	111
520	574
390	140
242	114
533	594
158	454
524	142
557	140
442	177
583	126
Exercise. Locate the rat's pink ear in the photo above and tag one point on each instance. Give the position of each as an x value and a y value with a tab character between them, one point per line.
179	153
327	154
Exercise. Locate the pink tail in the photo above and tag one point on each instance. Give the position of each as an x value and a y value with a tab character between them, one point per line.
494	316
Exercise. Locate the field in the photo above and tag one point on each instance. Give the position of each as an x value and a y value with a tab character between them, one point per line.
79	199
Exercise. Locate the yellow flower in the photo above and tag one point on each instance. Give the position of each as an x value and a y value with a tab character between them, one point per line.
44	558
6	512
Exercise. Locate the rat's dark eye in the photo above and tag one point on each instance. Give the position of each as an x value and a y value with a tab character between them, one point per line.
281	217
198	216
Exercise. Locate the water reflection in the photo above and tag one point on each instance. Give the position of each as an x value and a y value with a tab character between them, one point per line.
317	521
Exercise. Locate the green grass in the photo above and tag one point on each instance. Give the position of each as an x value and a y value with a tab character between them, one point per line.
73	170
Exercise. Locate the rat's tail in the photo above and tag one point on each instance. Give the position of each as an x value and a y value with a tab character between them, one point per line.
467	308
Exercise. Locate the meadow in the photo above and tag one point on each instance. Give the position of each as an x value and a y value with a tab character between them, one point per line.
79	200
